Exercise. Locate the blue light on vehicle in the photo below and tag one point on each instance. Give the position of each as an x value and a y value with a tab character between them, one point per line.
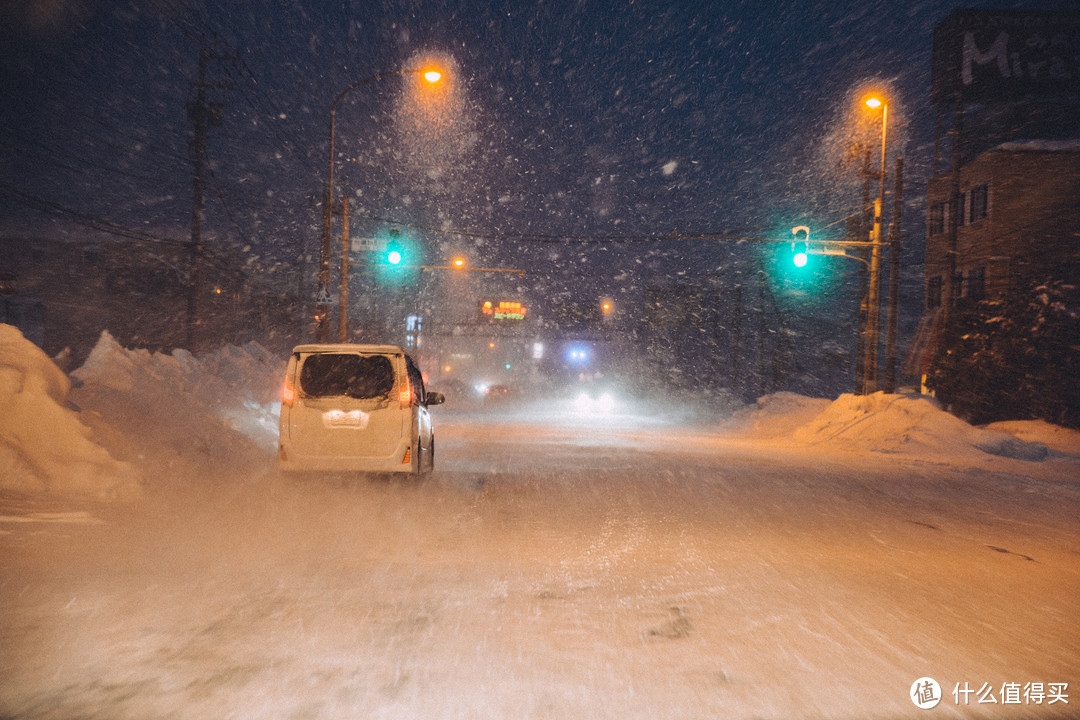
578	354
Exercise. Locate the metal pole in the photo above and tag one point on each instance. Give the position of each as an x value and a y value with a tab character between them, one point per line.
873	322
873	335
894	278
952	226
343	310
863	231
884	130
322	310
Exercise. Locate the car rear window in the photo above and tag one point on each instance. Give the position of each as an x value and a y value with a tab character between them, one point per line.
357	376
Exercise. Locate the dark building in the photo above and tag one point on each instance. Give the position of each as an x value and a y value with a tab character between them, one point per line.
63	293
1003	205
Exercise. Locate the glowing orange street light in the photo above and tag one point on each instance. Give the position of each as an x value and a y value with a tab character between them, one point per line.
458	262
433	76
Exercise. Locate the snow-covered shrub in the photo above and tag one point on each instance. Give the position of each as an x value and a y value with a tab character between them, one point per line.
1013	359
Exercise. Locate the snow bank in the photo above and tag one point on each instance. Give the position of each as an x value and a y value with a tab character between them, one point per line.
909	424
904	424
176	412
44	447
774	416
1057	438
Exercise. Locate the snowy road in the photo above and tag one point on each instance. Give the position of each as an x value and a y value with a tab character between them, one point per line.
552	571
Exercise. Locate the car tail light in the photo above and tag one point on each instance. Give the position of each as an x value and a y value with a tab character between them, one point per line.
408	456
406	394
288	394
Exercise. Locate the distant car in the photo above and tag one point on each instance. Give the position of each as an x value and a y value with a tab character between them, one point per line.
355	408
495	394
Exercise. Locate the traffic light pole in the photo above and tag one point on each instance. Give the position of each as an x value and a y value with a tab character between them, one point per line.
343	310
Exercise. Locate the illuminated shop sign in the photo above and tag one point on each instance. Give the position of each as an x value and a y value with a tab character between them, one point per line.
498	310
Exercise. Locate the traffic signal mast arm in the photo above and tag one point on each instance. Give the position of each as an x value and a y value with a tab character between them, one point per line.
800	245
786	241
425	268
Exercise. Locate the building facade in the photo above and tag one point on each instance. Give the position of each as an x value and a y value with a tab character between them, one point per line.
1012	220
62	293
1003	205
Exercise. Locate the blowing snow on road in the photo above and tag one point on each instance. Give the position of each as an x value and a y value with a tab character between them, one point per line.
796	558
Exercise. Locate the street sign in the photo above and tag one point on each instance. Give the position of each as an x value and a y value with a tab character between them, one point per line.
324	297
364	244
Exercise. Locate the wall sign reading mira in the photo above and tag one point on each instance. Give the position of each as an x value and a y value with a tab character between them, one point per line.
500	310
983	56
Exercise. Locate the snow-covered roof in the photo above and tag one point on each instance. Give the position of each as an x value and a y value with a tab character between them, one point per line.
348	347
1072	145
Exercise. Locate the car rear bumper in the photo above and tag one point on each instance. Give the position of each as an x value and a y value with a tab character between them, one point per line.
400	461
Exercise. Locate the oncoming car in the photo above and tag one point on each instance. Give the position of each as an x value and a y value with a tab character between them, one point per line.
355	408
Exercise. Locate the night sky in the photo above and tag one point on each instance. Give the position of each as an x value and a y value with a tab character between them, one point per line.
605	124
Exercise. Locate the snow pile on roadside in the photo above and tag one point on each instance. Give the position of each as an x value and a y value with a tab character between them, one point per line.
912	425
774	416
1057	438
44	447
175	412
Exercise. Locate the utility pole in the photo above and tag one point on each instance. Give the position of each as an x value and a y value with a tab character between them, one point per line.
197	114
952	222
762	388
865	222
202	115
894	279
343	300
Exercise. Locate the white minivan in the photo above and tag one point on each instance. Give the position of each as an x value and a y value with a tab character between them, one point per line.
355	408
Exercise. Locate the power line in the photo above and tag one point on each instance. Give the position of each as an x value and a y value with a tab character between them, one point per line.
579	239
80	218
89	165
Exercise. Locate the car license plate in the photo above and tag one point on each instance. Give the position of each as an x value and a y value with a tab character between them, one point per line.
345	419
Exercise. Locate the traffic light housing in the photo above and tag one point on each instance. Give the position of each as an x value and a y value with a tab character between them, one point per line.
395	252
799	249
398	256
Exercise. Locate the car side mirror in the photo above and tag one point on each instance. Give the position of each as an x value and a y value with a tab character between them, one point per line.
434	398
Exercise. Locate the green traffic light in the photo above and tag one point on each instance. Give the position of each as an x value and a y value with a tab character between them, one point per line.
393	257
799	250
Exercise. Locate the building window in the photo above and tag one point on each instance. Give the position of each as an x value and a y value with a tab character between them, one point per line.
979	204
962	216
933	292
937	219
975	283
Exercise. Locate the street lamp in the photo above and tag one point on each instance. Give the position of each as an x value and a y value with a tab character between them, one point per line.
873	329
322	302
